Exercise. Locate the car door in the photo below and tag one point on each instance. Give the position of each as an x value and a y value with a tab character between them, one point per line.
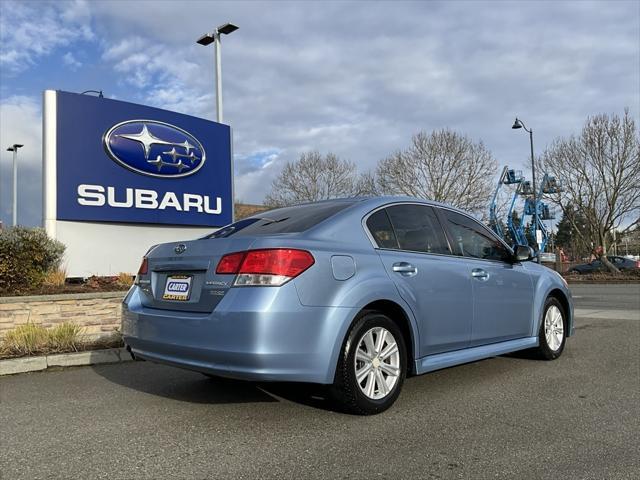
618	262
594	266
413	248
502	290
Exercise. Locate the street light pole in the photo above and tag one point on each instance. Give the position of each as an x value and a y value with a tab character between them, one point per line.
520	124
208	39
218	49
14	149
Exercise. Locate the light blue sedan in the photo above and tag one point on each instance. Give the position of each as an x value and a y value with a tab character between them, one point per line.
355	294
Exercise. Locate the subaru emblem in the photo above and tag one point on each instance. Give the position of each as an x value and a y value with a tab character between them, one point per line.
154	148
180	248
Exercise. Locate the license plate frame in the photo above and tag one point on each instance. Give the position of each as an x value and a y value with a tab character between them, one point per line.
174	290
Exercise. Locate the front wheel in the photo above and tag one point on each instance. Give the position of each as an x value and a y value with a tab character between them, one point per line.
372	365
553	330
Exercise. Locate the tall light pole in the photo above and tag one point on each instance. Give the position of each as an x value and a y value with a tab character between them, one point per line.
14	148
520	124
208	39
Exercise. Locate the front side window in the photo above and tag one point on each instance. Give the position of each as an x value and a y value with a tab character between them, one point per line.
470	239
418	229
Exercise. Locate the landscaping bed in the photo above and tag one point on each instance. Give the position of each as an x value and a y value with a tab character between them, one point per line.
33	339
632	276
90	285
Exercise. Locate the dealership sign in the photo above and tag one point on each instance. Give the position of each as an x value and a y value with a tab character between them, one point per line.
128	163
120	177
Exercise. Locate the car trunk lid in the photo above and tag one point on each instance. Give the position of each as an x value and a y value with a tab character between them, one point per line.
182	275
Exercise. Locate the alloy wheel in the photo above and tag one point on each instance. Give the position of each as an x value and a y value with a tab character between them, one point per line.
554	328
377	363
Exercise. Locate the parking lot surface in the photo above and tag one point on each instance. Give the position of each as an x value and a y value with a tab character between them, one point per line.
506	417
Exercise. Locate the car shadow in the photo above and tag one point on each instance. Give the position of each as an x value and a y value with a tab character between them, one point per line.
194	387
528	354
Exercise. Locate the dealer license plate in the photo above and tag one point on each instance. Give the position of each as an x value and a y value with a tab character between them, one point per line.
178	287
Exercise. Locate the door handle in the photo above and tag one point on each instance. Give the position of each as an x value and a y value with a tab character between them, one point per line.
480	274
404	268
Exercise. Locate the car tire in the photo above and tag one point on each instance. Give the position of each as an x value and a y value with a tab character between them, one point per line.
552	335
372	365
574	272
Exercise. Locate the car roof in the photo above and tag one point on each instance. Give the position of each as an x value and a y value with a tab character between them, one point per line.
367	204
372	202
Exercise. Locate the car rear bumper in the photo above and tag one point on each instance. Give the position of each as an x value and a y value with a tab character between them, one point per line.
255	333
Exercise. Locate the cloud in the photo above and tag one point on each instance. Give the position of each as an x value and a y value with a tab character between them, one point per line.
21	122
254	172
357	79
147	63
339	79
32	30
70	60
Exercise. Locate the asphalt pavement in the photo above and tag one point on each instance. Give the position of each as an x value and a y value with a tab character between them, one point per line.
507	417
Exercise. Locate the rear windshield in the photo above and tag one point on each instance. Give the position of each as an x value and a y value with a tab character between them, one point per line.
283	220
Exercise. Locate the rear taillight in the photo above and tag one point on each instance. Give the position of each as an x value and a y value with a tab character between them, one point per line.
230	263
144	267
268	267
638	264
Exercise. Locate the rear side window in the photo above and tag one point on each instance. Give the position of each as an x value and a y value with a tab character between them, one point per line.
283	220
417	229
470	239
381	230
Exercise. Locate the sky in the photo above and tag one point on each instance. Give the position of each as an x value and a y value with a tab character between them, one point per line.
354	78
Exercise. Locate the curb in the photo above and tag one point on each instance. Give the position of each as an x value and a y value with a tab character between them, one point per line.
76	359
600	282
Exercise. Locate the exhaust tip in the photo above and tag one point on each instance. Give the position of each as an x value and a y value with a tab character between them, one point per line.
128	348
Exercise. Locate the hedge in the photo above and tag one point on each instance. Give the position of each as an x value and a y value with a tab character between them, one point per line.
26	255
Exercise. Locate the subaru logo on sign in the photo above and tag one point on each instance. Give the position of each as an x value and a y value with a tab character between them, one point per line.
154	148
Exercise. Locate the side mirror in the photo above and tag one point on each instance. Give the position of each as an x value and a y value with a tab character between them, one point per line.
524	253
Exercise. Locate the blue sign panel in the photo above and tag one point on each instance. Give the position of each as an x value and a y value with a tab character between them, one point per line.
122	162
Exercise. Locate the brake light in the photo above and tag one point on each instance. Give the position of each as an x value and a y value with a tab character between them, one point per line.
144	267
267	267
230	263
638	264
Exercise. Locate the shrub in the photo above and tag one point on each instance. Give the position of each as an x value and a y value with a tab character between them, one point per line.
27	339
55	278
125	279
65	337
33	339
26	255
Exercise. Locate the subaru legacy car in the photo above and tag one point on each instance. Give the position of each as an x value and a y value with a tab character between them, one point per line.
355	294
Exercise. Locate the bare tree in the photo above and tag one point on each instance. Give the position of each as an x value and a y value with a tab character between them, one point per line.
314	177
444	166
600	173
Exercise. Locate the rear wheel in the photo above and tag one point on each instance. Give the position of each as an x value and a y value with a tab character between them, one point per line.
553	330
372	365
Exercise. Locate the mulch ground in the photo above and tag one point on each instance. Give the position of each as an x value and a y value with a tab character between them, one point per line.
632	276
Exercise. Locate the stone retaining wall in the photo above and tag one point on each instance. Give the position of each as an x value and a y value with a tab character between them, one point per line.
97	313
